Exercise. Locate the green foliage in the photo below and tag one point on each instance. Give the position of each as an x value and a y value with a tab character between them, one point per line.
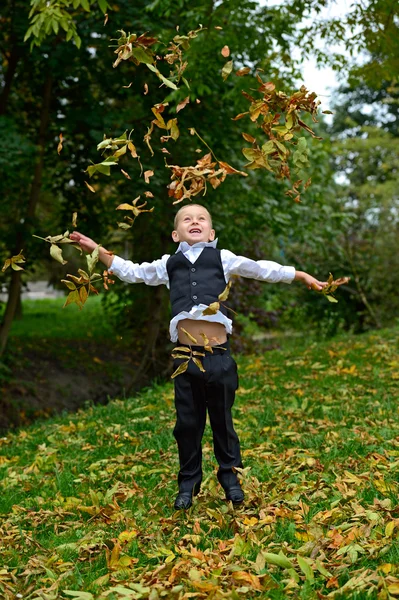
49	18
96	489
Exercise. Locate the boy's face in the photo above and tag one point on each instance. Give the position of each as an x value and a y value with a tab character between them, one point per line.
194	225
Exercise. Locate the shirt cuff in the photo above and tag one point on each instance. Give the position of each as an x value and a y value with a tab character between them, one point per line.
116	265
288	274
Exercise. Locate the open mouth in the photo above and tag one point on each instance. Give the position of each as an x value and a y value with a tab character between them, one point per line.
195	231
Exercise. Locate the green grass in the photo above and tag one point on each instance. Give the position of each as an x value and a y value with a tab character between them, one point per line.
87	499
48	319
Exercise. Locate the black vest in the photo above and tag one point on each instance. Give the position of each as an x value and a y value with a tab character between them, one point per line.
197	283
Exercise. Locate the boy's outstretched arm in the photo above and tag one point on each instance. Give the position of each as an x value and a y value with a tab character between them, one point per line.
311	282
88	245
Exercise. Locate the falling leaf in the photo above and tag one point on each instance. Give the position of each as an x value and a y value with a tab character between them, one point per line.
225	294
148	194
218	27
243	71
74	219
14	262
91	188
212	309
182	104
145	89
225	51
105	19
128	86
59	147
227	69
198	101
147	175
125	174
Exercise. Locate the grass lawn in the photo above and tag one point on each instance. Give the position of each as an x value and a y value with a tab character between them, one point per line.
47	318
86	504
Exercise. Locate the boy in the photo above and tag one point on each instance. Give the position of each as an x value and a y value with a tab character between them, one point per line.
196	274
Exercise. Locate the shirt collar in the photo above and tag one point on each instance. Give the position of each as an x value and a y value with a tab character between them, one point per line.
184	246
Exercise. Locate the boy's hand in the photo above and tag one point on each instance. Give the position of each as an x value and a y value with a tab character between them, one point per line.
84	242
88	245
311	282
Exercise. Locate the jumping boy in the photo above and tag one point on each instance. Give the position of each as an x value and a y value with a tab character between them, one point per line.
196	274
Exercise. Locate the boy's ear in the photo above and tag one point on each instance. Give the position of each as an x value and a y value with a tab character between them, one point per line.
175	236
212	234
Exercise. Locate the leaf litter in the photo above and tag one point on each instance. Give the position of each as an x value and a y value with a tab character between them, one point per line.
87	502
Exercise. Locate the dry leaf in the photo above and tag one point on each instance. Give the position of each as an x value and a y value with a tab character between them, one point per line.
59	147
225	51
128	86
182	104
147	175
125	174
243	71
74	219
145	89
105	18
90	187
190	337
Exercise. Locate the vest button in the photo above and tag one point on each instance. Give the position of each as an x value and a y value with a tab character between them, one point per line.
193	269
194	283
195	297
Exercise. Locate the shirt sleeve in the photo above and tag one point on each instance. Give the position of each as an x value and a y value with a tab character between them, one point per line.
263	270
153	273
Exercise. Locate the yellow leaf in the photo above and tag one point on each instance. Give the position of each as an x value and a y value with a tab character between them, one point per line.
59	147
180	369
393	589
212	309
199	364
90	187
389	528
190	337
74	219
56	253
225	294
83	294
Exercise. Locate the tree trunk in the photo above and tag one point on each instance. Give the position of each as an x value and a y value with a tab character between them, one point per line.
15	284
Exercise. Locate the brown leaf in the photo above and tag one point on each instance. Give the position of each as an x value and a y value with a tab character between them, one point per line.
147	175
239	116
182	104
243	71
105	19
148	194
225	51
198	101
74	219
231	170
125	174
91	188
128	86
218	27
59	147
248	138
145	89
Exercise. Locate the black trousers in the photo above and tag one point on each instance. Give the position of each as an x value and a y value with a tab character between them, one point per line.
195	392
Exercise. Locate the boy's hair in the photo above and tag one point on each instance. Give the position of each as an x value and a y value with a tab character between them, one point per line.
176	221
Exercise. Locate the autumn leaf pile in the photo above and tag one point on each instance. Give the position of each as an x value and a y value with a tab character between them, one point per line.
87	499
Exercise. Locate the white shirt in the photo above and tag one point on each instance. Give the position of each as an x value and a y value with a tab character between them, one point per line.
155	273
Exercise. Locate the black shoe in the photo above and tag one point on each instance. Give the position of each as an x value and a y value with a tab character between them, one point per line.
234	494
185	499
